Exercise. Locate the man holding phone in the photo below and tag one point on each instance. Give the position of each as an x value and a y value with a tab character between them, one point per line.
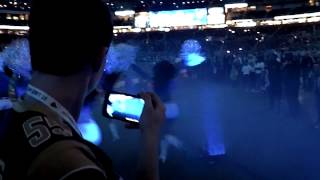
40	140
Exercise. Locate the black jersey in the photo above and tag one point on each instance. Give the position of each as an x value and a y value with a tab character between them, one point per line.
35	147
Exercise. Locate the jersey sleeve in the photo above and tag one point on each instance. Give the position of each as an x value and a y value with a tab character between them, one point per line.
66	160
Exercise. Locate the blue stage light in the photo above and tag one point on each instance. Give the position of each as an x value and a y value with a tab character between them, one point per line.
91	132
191	53
88	127
194	59
211	123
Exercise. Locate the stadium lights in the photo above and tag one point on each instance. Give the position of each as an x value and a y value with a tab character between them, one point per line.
296	16
165	29
124	30
136	30
313	19
293	21
235	5
216	19
270	22
211	18
216	15
242	23
216	10
124	13
122	27
247	23
252	7
8	27
217	26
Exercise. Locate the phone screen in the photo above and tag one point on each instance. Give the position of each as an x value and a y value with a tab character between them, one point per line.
124	107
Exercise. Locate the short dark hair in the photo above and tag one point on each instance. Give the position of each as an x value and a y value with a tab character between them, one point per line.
164	71
65	35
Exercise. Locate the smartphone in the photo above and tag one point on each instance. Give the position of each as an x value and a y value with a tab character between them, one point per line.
123	107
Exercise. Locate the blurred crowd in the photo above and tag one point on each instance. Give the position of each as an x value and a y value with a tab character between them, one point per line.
281	62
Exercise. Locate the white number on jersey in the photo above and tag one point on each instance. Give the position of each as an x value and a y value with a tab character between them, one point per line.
36	131
39	129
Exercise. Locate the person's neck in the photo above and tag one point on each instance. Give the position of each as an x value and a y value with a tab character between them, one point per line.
69	91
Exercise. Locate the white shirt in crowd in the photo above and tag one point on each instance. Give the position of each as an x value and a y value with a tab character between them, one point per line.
247	69
259	67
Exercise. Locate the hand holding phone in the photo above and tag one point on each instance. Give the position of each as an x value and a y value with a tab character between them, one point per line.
150	123
123	107
146	109
153	113
147	112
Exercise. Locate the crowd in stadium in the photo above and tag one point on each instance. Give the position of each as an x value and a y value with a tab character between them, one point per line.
239	94
282	63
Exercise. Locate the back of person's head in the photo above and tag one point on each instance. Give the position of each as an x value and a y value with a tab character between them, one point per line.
67	35
164	71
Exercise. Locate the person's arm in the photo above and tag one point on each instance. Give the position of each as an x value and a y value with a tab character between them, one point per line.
151	120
